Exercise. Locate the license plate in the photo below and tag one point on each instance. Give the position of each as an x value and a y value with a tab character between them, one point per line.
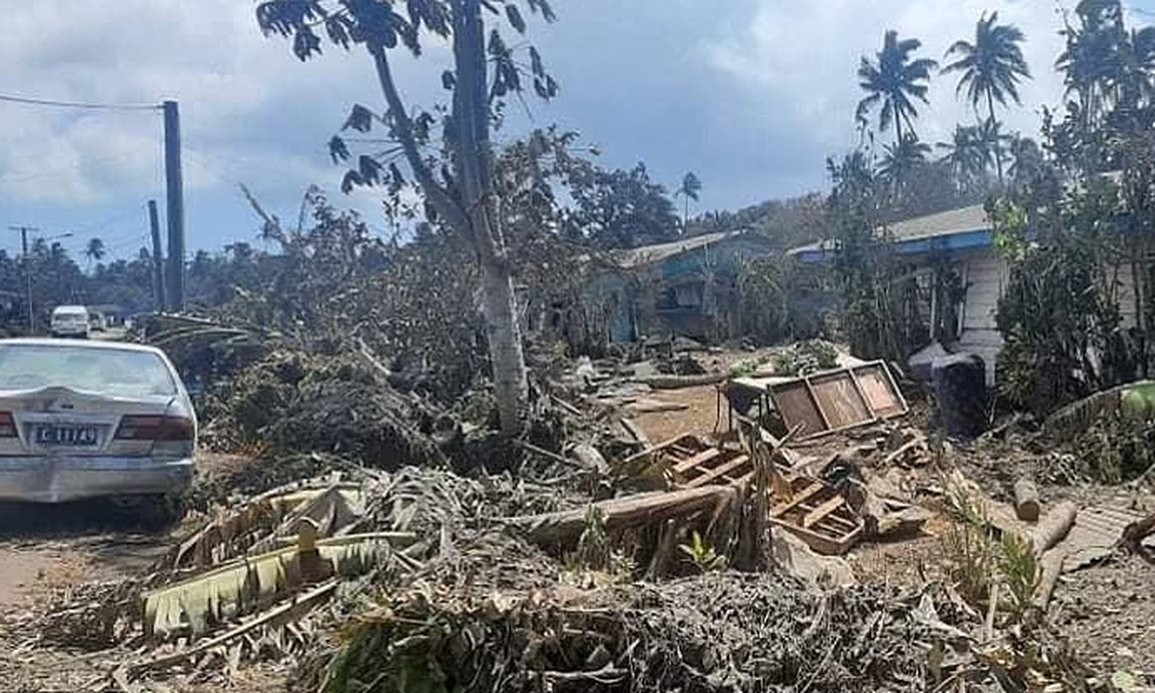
66	435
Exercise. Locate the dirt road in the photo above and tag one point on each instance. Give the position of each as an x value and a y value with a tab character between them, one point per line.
45	551
40	544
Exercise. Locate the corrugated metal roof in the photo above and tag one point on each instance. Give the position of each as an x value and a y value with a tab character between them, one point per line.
962	220
948	223
648	254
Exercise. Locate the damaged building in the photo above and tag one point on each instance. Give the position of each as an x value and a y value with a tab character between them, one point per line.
686	287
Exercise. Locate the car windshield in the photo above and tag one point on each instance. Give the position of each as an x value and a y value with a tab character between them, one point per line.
117	372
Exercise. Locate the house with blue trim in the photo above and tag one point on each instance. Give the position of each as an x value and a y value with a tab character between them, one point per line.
686	287
961	242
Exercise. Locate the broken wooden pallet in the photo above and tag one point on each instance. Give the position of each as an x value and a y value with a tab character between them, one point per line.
817	514
708	464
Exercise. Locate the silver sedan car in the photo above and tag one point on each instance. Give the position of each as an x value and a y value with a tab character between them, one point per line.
90	419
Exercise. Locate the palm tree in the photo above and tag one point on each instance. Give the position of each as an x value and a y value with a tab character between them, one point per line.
993	140
688	190
894	79
1092	62
94	251
901	158
1026	160
966	155
991	67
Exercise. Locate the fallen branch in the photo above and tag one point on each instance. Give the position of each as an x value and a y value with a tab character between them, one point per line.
1053	527
636	431
918	443
1026	500
1051	568
552	456
674	382
620	513
655	407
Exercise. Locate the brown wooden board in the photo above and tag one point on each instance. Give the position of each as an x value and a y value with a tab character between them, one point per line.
840	400
876	386
798	408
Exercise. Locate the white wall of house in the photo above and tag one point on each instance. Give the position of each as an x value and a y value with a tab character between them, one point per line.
985	276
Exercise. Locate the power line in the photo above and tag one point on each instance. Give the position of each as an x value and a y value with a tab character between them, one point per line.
78	104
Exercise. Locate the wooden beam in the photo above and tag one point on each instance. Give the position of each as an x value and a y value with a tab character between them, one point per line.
808	492
709	476
688	464
816	515
621	513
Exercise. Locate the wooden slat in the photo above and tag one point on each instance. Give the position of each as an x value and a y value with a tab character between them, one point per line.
656	448
817	404
688	464
816	515
719	471
780	510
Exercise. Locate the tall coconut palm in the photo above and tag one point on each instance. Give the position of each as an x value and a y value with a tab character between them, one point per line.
688	190
1092	61
966	155
992	67
894	79
900	159
94	250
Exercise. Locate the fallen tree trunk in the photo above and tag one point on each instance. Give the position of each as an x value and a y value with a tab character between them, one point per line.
1026	500
1050	569
654	407
1053	527
621	513
674	382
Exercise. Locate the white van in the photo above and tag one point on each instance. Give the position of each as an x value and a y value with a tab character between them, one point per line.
70	321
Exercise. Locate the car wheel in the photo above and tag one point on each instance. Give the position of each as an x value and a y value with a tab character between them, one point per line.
158	512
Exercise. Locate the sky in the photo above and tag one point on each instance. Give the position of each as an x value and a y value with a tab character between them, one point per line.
751	95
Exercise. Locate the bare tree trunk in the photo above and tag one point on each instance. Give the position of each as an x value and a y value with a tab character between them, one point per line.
474	216
998	152
475	168
505	352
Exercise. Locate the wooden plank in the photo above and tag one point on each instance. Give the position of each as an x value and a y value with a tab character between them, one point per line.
719	471
862	393
817	403
816	515
636	431
780	510
704	456
797	407
840	401
641	454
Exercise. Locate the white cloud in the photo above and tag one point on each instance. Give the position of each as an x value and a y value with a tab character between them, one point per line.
244	98
799	67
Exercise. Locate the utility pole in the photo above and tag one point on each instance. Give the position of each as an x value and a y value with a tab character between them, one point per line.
157	258
174	194
27	275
